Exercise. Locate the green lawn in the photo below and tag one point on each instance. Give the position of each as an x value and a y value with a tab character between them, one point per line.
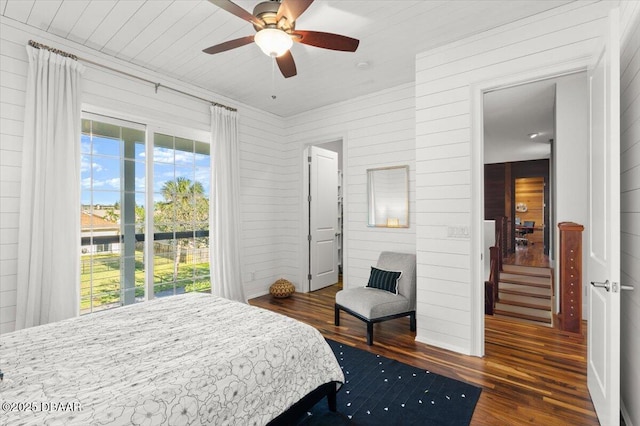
104	270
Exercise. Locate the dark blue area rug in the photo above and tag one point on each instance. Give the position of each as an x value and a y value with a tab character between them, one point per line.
382	391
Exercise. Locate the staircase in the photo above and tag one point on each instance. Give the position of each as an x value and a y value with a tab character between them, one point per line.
525	294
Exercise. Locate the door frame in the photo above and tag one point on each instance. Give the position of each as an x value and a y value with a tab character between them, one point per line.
477	179
303	263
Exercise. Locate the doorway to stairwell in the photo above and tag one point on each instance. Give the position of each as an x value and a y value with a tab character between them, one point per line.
535	138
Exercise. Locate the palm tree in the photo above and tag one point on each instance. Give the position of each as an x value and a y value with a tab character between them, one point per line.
184	204
182	190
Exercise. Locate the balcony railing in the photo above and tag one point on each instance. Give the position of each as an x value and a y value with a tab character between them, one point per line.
116	276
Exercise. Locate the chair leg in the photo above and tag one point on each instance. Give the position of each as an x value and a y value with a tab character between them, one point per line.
369	333
412	321
336	319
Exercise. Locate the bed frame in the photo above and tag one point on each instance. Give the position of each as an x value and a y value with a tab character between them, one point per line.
297	410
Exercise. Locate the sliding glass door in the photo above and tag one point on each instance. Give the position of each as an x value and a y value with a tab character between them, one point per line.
119	265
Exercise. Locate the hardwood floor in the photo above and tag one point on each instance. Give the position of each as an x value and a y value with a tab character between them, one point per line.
530	255
529	375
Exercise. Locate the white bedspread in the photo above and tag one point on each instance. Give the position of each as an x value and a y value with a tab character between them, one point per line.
189	359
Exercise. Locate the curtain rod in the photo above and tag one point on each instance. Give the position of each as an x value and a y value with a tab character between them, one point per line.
156	85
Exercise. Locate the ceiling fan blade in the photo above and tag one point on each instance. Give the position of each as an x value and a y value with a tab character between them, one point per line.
228	45
326	40
287	65
291	9
234	9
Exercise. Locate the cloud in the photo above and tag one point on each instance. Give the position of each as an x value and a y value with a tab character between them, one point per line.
113	183
140	184
85	165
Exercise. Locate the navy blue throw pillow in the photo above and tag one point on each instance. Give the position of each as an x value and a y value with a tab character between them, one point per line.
384	280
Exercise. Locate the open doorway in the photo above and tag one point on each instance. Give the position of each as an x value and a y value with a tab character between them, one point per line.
531	134
323	213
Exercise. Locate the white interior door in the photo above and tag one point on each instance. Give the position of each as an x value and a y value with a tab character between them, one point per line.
603	347
323	217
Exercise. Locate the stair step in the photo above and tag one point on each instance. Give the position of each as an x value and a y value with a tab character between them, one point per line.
524	290
545	307
518	298
525	283
533	279
522	310
521	316
527	270
524	320
527	274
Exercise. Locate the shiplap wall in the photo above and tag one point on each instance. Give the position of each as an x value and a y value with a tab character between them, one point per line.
261	140
378	131
444	79
630	209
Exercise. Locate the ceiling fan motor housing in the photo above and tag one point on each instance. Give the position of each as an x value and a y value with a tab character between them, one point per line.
267	11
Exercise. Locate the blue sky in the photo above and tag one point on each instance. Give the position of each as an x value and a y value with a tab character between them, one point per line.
101	168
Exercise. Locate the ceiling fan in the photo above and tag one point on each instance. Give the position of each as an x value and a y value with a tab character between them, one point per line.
274	22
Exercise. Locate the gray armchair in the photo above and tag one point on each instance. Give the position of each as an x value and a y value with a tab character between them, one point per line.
373	305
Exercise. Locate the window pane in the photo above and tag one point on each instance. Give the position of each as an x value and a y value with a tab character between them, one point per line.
85	141
162	173
186	173
106	146
112	262
163	148
181	205
105	173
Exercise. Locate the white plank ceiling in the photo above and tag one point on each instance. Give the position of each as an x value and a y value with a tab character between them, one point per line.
168	37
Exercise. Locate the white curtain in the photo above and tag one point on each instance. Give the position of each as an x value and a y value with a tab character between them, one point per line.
48	271
224	213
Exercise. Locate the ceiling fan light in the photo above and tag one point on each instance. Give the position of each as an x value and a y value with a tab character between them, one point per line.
273	42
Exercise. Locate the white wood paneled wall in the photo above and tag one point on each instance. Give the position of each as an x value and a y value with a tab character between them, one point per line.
444	78
261	138
378	131
13	80
630	209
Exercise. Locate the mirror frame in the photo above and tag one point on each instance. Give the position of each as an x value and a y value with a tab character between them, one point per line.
370	172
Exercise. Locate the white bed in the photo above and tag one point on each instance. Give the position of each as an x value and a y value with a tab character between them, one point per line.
189	359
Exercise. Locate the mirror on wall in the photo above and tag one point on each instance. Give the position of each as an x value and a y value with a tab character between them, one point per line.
388	195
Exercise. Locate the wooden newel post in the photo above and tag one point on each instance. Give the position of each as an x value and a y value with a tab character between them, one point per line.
570	258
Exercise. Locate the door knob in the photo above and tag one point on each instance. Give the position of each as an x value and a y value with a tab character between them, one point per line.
608	286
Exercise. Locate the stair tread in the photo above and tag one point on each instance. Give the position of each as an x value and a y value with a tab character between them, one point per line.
528	274
546	308
524	299
526	289
523	293
526	283
527	270
524	310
